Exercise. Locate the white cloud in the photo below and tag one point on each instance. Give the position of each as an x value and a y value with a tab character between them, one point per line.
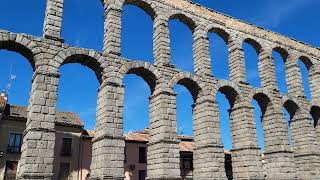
274	12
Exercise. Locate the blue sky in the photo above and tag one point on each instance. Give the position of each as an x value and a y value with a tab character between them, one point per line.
83	26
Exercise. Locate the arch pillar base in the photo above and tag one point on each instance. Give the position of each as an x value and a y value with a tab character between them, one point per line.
164	178
107	178
35	176
107	158
108	144
204	166
247	164
163	160
280	165
305	149
308	166
28	168
318	133
278	155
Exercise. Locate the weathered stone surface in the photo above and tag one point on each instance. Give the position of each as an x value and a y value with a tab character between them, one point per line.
282	160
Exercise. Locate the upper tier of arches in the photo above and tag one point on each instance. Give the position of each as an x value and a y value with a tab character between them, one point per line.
98	62
101	65
162	12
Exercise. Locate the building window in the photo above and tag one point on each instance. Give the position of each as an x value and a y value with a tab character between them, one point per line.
66	147
142	175
187	163
11	170
64	171
142	155
14	145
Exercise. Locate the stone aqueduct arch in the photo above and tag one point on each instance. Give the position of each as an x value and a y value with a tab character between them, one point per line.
47	54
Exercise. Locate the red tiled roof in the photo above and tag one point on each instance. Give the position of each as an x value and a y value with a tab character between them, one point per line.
91	133
68	118
227	152
139	136
186	144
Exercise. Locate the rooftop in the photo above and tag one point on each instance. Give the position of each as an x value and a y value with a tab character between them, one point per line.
14	112
186	144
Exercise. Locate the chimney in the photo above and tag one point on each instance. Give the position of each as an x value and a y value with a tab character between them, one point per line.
3	102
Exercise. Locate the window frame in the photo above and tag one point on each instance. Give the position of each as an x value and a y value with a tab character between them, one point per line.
12	146
142	158
186	162
66	148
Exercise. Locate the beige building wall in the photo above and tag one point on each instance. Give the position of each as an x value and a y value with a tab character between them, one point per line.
85	161
74	158
18	126
132	165
7	127
81	152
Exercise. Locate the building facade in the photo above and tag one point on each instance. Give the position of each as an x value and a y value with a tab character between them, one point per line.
136	155
71	160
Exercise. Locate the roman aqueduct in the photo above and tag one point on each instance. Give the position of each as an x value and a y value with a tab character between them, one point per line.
46	54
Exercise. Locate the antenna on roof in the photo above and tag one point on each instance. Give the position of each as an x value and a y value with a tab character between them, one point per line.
11	78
